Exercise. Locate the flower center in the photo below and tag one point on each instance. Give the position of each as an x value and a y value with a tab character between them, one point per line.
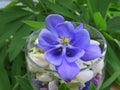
64	41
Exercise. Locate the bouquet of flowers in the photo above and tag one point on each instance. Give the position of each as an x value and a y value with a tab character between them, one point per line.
65	53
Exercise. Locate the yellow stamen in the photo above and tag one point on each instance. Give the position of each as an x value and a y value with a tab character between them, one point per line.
64	41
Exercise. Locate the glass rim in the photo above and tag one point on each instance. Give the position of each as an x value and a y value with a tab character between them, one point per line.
54	71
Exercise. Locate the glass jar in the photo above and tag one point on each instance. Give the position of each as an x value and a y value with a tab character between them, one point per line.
43	75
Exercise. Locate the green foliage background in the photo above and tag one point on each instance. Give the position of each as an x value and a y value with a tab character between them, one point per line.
21	17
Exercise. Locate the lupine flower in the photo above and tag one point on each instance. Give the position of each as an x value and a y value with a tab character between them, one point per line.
64	44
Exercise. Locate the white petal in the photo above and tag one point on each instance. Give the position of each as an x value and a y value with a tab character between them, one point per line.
98	67
53	85
32	68
44	77
39	59
36	41
85	76
94	42
81	64
52	67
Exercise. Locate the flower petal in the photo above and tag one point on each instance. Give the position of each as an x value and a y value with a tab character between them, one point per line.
80	27
47	39
98	67
54	56
87	86
53	85
73	53
85	76
81	39
92	52
45	77
65	29
52	20
94	42
67	71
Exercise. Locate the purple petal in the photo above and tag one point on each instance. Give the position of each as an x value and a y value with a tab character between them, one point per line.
52	20
54	56
65	29
73	54
92	52
47	39
67	71
80	27
81	39
95	81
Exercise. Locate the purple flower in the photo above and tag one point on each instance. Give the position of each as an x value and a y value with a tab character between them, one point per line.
97	79
87	86
63	45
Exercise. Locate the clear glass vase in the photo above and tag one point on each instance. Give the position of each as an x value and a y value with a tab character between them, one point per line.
43	75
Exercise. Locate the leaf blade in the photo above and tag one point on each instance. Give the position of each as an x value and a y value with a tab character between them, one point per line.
34	24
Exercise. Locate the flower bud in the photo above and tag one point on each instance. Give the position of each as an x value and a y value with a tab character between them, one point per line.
44	77
85	76
98	67
39	60
94	42
53	85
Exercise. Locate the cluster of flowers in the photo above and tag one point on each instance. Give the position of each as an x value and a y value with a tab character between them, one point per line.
67	49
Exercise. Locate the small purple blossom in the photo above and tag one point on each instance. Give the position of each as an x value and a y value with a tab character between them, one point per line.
64	44
87	86
96	80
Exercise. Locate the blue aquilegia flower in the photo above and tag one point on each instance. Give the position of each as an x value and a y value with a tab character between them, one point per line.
64	44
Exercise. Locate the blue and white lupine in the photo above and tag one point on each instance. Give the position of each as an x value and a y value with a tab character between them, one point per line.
63	44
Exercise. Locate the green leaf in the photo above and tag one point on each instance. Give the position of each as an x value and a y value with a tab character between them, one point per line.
4	77
103	7
117	42
111	79
64	3
112	65
112	58
107	36
29	3
8	30
93	5
16	66
92	86
34	24
60	10
105	76
18	42
98	6
9	15
3	54
24	83
75	8
16	87
115	13
12	3
99	21
4	80
10	21
113	25
63	86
